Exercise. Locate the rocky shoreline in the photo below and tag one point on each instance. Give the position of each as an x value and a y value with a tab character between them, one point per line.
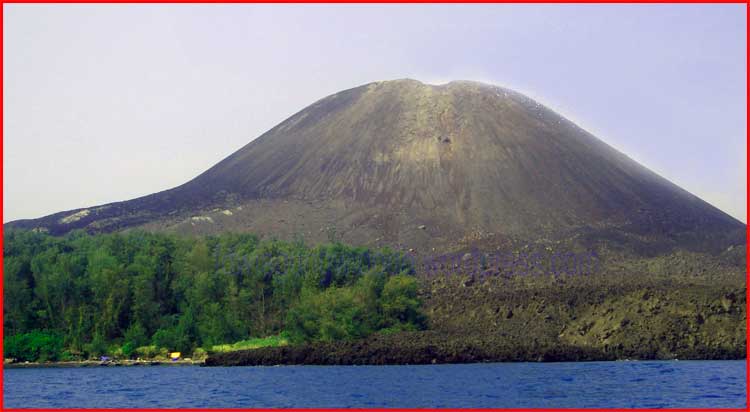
412	348
94	363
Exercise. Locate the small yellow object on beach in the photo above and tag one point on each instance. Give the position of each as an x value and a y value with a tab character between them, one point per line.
175	355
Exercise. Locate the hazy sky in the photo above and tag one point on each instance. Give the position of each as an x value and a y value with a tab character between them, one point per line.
109	102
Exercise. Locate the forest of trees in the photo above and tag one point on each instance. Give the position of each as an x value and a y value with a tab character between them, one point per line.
81	296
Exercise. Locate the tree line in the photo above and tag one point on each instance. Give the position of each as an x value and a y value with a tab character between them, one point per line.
125	294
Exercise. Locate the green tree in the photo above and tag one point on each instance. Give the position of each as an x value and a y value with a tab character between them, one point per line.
37	345
401	306
101	294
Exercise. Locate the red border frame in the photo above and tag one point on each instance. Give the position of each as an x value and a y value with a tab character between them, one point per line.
747	228
382	2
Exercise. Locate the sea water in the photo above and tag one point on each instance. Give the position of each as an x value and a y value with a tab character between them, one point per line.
659	384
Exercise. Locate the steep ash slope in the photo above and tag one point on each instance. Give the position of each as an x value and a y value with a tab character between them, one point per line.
411	164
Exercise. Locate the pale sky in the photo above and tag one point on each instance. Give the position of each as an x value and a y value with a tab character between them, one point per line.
105	103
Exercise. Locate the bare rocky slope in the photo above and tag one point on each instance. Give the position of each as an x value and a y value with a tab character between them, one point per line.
430	168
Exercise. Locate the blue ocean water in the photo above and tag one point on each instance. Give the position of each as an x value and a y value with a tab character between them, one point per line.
663	384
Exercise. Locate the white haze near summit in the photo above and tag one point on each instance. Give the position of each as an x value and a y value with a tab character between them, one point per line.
109	102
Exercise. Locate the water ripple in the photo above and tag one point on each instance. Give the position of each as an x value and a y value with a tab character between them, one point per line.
652	384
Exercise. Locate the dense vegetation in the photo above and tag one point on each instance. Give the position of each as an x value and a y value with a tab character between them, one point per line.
140	294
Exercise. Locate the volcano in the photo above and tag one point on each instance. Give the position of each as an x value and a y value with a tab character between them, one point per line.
428	167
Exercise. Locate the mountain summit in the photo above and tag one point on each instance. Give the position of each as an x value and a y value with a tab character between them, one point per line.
420	166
